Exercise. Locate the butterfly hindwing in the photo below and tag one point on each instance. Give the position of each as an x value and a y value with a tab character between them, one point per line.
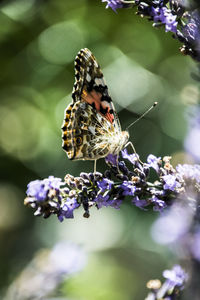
83	130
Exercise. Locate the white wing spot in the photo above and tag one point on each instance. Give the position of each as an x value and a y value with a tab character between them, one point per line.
98	81
95	64
91	129
88	77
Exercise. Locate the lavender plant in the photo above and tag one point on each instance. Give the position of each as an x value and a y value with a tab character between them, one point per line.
130	181
118	184
177	16
172	286
46	271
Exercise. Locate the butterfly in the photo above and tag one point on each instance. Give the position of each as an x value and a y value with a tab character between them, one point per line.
91	127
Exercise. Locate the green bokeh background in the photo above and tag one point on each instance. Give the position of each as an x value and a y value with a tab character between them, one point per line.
39	41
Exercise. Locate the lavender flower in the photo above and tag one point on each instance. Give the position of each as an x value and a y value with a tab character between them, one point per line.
128	188
176	277
141	203
170	182
189	173
111	159
162	15
67	209
40	188
190	34
154	162
116	185
51	266
114	4
158	205
131	157
105	184
171	288
175	15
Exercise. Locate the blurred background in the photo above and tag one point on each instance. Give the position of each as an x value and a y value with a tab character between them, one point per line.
39	41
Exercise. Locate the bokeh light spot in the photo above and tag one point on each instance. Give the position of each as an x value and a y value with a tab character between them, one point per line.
17	10
10	212
129	82
59	43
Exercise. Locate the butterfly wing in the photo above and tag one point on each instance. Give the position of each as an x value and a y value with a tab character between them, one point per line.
91	118
86	134
90	85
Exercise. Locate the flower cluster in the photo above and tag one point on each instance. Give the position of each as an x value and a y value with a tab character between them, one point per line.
179	226
171	288
48	265
126	179
182	21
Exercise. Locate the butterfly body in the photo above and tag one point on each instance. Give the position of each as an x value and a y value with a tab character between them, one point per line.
91	128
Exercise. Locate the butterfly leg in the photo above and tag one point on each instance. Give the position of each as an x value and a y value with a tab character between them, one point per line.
95	166
133	148
117	161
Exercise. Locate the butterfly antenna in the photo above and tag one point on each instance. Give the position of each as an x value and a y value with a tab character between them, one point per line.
144	114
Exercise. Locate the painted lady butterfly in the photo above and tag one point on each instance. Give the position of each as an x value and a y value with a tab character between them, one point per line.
91	128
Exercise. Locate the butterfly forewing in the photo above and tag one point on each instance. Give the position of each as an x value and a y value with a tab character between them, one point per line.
91	87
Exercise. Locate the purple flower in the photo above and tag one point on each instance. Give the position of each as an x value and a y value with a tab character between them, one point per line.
170	22
176	277
105	184
192	29
158	205
165	16
158	14
102	200
189	172
170	289
170	182
128	188
39	188
68	208
111	159
131	157
116	203
114	4
154	162
141	203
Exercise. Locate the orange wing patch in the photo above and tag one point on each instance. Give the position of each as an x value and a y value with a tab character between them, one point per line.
95	100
